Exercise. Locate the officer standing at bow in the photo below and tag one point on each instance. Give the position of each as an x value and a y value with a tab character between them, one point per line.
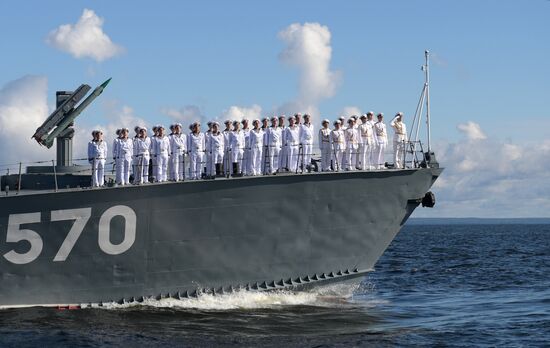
399	140
381	137
97	154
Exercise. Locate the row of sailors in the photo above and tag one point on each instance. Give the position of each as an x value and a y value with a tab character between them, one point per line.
264	149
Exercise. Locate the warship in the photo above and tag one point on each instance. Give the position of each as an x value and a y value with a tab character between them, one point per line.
65	244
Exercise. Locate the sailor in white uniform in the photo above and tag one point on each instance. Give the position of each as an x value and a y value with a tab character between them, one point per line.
352	144
292	141
306	141
324	146
178	148
273	142
283	163
237	142
118	172
371	148
97	154
338	145
196	145
226	143
216	146
366	142
141	149
247	159
256	146
381	137
153	154
399	140
161	149
124	155
134	157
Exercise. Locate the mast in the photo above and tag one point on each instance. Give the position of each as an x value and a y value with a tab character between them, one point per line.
427	87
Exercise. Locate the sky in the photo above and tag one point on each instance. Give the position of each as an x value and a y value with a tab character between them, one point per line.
200	60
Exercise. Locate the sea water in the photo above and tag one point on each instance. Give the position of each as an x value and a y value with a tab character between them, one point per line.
458	285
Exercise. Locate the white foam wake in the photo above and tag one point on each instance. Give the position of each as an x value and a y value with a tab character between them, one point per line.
326	296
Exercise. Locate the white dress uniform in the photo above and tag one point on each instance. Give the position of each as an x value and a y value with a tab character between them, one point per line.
273	142
292	141
125	151
216	145
196	145
338	145
399	139
324	146
237	142
283	162
306	140
97	154
141	150
256	147
247	163
226	151
118	168
381	137
371	149
153	157
352	147
366	144
161	149
178	148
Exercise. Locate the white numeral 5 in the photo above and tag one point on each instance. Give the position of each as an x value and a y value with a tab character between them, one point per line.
15	235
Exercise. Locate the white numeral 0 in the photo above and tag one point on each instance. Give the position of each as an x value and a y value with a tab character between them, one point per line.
105	229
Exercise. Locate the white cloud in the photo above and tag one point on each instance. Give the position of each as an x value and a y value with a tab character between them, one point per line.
240	112
487	177
472	130
23	108
350	111
85	38
185	115
308	48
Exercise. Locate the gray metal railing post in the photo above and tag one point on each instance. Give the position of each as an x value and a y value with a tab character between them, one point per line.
19	180
54	175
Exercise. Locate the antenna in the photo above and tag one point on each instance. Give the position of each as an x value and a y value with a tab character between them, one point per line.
427	86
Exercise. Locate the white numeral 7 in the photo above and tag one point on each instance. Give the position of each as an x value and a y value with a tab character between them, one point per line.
80	217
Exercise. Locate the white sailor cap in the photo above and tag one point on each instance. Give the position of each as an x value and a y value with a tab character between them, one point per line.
370	113
297	114
363	116
341	118
399	114
256	120
282	116
274	118
307	115
380	114
215	124
292	117
143	129
160	126
124	129
228	122
244	120
351	120
236	122
354	117
337	122
325	121
265	119
178	125
99	131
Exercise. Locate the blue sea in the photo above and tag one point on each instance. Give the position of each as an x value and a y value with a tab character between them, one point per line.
440	283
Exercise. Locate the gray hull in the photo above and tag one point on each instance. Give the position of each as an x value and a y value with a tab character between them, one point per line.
259	233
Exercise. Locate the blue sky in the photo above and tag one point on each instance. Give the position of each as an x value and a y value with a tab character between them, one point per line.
490	63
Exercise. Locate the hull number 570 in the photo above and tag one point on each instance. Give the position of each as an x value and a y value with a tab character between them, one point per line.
16	234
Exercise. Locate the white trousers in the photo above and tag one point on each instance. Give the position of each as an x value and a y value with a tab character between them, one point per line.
272	160
196	160
398	154
283	161
351	155
292	157
256	160
177	169
237	157
161	168
325	158
141	173
307	150
380	149
247	163
337	157
123	165
214	158
98	172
